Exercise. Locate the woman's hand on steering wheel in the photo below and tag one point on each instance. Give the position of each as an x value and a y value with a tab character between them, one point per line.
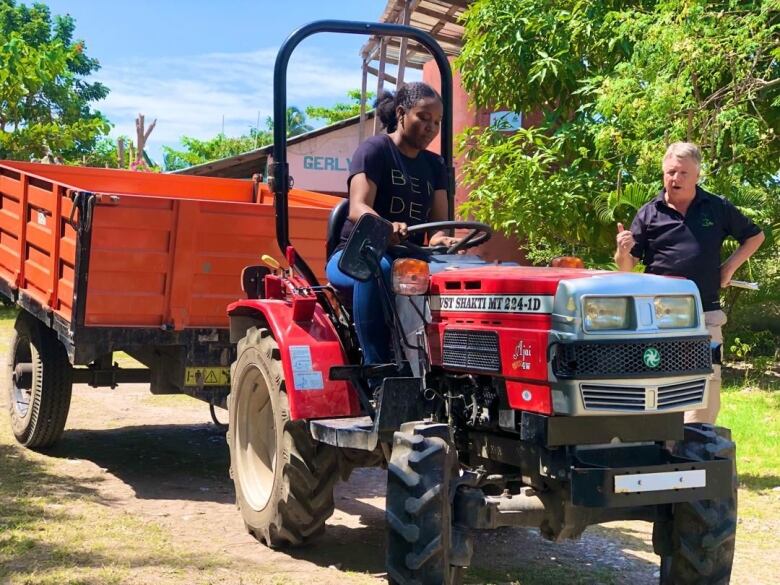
400	232
440	243
443	240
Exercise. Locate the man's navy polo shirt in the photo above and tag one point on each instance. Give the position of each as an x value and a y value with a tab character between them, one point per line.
671	244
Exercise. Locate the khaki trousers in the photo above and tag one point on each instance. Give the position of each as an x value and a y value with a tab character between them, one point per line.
714	320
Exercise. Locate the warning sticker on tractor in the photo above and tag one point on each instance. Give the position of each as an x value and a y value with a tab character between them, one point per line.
207	376
493	303
304	375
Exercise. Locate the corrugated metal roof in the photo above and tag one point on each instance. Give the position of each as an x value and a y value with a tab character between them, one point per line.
437	17
245	164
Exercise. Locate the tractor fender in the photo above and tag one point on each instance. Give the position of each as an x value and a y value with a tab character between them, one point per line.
308	348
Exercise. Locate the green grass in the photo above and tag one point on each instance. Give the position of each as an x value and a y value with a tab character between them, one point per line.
754	418
7	318
753	415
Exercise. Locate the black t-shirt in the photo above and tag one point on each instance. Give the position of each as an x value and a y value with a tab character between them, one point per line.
671	244
404	186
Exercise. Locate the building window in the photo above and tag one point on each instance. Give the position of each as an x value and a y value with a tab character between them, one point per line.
506	121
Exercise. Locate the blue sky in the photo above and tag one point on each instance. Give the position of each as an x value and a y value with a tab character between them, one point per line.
189	63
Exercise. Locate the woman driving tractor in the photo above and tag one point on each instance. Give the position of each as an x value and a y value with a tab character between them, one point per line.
393	176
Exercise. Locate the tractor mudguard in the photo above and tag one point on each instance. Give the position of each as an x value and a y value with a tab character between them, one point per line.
309	348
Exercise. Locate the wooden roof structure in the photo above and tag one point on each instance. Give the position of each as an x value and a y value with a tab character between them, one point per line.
439	18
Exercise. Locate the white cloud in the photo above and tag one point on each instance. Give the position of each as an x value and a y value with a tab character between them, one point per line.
190	95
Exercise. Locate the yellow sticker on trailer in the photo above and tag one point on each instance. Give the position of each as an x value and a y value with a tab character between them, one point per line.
207	377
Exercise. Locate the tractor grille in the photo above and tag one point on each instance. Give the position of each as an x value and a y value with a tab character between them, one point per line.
640	398
680	394
596	397
471	350
599	359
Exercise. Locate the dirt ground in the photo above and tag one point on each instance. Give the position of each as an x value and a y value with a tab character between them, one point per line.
162	460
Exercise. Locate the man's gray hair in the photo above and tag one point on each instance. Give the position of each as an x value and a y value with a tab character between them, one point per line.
684	150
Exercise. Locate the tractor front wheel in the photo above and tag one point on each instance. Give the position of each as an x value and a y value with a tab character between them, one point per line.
418	511
700	535
283	479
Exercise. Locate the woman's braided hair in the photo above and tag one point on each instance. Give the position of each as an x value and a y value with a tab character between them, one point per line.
406	97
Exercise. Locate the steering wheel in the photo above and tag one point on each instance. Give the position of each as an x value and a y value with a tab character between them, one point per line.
479	234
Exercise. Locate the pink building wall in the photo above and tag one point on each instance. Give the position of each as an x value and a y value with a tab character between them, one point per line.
464	115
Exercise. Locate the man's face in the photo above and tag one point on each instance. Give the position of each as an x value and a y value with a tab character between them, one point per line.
680	176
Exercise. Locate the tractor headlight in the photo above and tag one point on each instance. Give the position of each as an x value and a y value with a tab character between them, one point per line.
606	313
675	312
410	277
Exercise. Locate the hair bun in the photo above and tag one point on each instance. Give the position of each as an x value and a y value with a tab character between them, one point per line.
385	109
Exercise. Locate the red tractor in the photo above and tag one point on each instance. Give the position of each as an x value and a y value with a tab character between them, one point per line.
519	396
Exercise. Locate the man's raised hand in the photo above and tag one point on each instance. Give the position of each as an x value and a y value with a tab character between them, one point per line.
625	240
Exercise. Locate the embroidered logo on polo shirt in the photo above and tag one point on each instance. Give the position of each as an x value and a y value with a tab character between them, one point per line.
706	221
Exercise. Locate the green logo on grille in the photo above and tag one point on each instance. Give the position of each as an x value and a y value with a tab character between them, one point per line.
652	357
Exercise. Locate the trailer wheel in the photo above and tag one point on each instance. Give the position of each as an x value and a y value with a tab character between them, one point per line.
419	527
283	479
701	534
39	378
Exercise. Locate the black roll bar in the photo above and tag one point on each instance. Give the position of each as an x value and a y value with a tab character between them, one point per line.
280	170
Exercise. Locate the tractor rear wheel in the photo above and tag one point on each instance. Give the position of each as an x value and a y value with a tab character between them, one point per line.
419	525
283	479
701	534
40	383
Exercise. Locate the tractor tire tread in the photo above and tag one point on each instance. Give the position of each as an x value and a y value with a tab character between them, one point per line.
418	507
702	532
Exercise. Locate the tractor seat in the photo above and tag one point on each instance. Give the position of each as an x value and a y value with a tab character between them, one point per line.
336	219
338	215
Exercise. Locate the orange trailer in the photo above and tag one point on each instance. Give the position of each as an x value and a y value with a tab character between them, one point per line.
104	260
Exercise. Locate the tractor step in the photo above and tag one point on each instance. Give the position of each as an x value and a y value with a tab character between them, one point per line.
353	433
399	400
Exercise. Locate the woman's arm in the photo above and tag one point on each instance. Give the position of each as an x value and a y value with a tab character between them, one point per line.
362	194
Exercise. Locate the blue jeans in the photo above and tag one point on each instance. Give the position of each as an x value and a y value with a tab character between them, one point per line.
372	331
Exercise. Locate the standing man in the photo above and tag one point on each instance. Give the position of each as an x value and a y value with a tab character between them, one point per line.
680	233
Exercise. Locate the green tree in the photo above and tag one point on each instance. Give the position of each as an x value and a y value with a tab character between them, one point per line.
197	151
614	82
45	98
104	154
339	111
296	122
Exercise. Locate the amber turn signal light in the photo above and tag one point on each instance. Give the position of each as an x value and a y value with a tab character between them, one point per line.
567	262
410	277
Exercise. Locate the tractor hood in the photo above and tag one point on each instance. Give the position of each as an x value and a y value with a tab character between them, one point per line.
489	279
522	292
